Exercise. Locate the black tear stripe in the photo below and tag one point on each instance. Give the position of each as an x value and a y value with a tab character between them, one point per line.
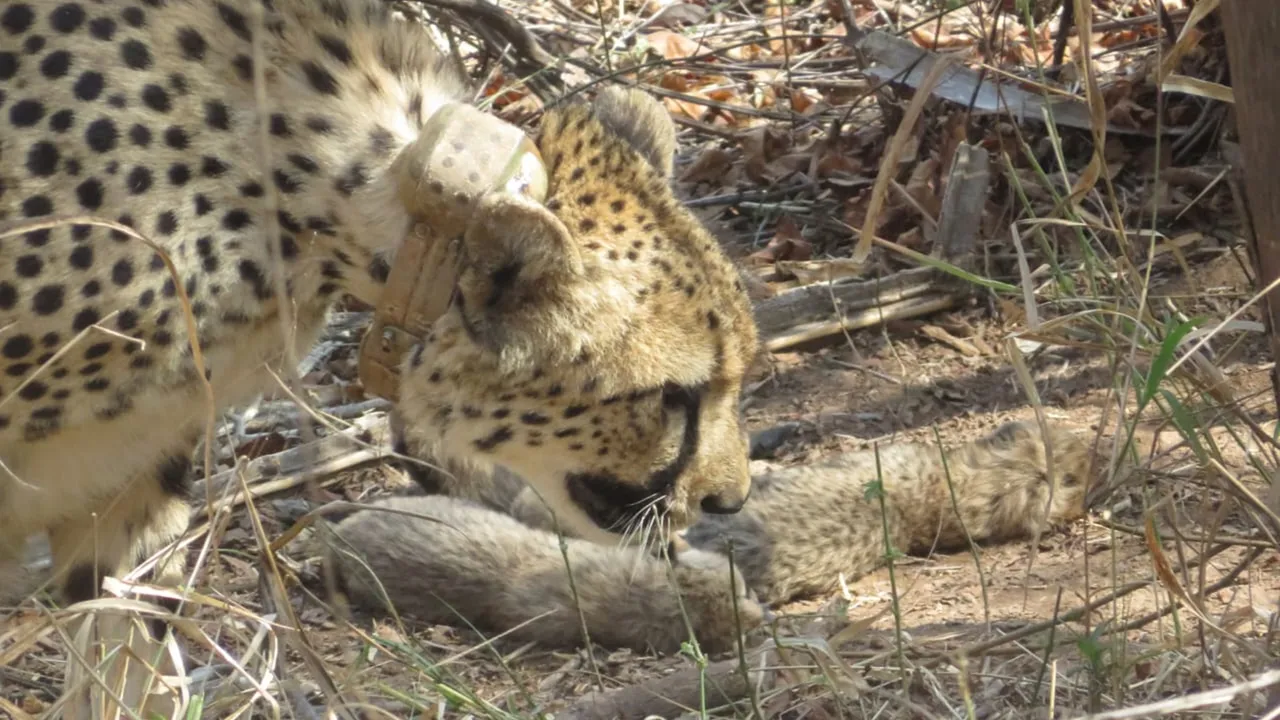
611	503
690	399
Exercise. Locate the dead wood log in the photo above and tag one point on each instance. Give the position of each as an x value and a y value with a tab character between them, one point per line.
832	307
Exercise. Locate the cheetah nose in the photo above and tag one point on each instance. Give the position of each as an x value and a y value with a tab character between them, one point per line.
725	503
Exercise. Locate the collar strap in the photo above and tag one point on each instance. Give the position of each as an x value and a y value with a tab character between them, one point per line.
462	154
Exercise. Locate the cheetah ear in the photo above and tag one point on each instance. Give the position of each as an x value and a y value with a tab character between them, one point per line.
643	122
518	261
519	239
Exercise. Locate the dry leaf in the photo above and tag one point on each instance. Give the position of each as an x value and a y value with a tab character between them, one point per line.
674	46
800	100
711	165
689	109
677	81
760	147
921	189
833	160
503	90
786	244
673	14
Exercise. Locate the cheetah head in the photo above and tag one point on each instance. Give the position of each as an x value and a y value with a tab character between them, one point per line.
598	340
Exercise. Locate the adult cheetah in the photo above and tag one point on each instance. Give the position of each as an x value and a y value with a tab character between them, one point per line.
596	344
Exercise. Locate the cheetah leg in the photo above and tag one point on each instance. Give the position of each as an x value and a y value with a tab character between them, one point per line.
128	653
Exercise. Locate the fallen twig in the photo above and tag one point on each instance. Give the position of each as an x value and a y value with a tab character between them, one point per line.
721	683
364	442
500	30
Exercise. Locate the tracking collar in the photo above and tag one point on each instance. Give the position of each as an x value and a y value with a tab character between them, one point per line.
462	155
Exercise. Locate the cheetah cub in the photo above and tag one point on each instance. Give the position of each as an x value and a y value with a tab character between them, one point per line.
805	525
470	565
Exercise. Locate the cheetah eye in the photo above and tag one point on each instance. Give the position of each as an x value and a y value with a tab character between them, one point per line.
1070	480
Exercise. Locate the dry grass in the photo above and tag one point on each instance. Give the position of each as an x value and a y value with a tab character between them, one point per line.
795	151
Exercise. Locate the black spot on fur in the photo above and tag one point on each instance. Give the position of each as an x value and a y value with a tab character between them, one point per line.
252	274
17	18
101	135
136	55
156	98
322	81
18	347
26	113
336	48
212	167
382	142
55	64
217	115
103	28
48	299
280	125
192	43
319	125
244	67
42	159
494	439
353	179
83	319
67	18
235	20
303	163
134	17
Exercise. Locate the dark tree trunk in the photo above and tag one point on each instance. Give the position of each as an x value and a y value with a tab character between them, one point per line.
1252	29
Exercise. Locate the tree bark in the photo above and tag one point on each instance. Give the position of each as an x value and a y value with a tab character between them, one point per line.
1252	30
